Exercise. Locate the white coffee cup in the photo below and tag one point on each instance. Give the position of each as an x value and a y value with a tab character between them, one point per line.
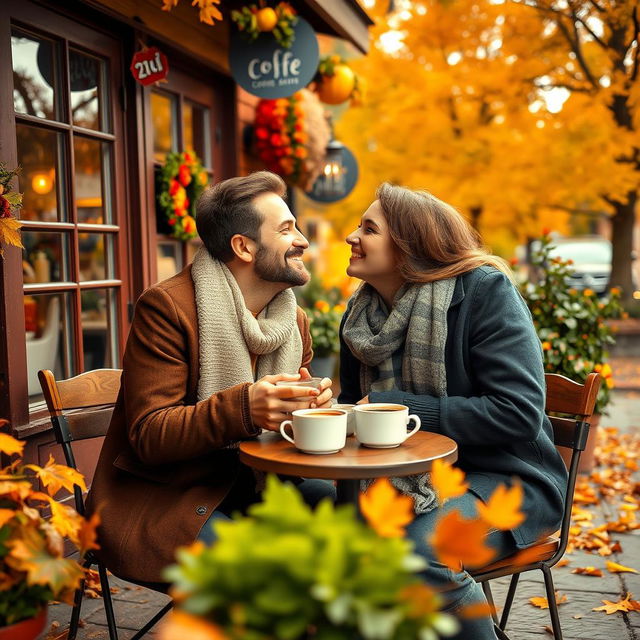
383	425
351	416
317	430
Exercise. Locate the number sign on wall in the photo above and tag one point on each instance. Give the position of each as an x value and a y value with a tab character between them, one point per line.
149	65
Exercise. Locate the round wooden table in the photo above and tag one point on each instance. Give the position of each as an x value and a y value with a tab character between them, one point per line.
271	452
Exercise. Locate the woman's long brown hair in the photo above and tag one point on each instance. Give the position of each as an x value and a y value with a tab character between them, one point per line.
433	240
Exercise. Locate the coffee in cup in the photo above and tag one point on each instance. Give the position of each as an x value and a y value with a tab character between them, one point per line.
382	425
317	430
351	416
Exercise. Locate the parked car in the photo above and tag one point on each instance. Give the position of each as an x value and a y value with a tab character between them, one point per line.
591	257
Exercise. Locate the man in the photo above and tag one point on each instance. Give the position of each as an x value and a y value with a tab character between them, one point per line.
198	341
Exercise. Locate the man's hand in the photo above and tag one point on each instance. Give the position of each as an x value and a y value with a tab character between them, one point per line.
270	405
323	401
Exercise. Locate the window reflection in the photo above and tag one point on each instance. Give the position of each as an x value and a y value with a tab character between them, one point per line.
95	250
86	90
91	159
169	259
46	325
35	75
195	130
45	257
38	153
164	125
98	316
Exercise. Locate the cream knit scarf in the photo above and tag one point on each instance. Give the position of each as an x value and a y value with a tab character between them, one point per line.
229	333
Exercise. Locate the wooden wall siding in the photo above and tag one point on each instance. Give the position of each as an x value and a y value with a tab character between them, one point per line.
180	25
245	114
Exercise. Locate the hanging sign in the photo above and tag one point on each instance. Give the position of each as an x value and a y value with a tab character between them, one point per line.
267	70
149	65
338	178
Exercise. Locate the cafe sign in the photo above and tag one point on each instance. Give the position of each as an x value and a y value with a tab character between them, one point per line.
267	70
149	65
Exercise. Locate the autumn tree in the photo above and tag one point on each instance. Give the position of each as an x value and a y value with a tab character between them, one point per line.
591	49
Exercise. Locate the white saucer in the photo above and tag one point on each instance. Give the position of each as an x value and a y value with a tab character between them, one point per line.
319	453
380	446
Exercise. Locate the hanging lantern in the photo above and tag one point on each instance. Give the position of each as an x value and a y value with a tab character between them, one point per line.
338	176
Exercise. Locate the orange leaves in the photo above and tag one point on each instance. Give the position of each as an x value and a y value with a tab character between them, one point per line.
543	603
614	567
386	510
9	445
180	625
588	571
87	534
458	541
626	604
447	480
55	476
502	511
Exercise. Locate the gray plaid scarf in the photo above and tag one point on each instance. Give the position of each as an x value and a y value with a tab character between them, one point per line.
402	350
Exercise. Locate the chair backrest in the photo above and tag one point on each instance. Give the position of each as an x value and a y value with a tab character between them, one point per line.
80	407
577	402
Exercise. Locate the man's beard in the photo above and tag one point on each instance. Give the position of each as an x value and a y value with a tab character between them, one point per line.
269	268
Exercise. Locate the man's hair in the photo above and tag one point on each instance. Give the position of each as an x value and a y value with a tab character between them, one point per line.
227	209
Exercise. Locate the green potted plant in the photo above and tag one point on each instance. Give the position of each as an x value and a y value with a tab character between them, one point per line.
288	572
33	569
572	327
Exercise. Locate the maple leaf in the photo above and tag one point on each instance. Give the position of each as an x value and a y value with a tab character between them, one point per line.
421	599
476	610
10	445
55	476
180	625
167	5
458	541
6	515
626	604
65	520
447	480
9	232
387	511
588	571
614	567
29	553
87	535
543	603
208	12
502	510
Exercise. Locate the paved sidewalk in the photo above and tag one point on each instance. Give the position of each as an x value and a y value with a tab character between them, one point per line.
135	605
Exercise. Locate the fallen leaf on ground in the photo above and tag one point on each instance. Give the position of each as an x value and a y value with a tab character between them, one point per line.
626	604
542	603
614	567
588	571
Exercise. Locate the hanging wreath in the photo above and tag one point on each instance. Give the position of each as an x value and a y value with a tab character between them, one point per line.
336	82
291	137
10	202
253	20
182	179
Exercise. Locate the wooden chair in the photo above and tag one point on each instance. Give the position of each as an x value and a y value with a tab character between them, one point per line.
572	399
80	408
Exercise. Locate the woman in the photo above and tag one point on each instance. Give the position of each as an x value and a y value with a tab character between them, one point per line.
439	326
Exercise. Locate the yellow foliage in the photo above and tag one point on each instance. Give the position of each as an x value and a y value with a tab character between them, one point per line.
386	510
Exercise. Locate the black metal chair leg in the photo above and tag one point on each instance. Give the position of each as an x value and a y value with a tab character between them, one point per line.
509	600
75	612
500	634
486	588
553	605
108	603
153	621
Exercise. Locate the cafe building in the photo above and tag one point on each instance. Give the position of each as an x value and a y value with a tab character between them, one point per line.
94	95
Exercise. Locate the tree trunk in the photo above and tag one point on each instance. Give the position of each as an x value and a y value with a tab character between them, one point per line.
622	239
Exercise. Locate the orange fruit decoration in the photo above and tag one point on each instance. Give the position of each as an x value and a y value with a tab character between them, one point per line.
266	19
338	87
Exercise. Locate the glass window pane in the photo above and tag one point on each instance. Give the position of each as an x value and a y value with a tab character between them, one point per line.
88	91
169	259
47	321
96	256
195	131
45	257
92	160
165	139
99	328
36	74
39	155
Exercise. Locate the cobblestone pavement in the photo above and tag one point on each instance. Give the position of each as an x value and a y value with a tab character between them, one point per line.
135	605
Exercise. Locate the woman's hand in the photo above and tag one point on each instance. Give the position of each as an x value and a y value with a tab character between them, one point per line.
323	401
